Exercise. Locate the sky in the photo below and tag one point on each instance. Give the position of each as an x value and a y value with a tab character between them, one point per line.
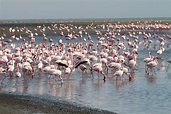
62	9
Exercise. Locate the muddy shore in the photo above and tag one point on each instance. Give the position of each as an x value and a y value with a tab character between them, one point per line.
16	104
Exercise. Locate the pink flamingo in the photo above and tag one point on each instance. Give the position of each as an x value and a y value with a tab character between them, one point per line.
18	73
152	64
147	60
52	71
98	69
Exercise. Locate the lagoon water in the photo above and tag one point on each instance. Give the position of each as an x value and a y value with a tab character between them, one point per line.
143	95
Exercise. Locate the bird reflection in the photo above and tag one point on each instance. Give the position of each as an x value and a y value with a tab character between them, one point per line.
161	66
151	78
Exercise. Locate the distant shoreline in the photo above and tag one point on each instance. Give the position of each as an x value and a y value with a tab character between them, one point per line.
89	19
38	104
4	27
81	23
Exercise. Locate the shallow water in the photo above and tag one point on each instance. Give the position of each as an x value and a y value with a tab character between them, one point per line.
144	94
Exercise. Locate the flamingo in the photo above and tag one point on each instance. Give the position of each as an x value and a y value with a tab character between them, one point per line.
27	68
56	72
119	73
83	68
115	66
68	70
62	63
11	66
106	50
126	72
132	64
105	62
46	69
160	51
18	73
3	63
152	64
40	66
98	68
86	61
11	69
147	60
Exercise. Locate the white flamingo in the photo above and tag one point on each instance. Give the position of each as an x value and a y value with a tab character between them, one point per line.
152	64
56	72
119	73
40	66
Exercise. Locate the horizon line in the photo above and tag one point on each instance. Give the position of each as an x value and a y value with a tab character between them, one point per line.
88	18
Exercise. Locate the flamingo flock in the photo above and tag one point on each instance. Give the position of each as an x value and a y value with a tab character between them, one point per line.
105	53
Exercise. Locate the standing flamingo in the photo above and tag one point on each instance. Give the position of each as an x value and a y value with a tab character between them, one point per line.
98	68
119	73
55	72
152	64
147	60
18	73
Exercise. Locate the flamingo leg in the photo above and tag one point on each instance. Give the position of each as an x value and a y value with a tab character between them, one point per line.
167	67
116	78
103	75
61	79
151	70
145	68
91	71
11	73
154	71
148	70
130	77
3	79
49	76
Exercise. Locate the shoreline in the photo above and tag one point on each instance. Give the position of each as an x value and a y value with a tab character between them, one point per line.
89	27
38	104
82	24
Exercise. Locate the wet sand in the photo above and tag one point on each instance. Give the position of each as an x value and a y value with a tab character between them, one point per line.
25	104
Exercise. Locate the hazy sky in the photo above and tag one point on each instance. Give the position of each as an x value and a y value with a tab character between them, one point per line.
54	9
